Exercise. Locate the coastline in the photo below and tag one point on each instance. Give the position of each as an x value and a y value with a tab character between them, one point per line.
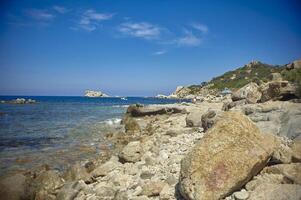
145	161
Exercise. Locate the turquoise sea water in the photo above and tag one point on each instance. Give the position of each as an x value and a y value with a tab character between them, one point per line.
58	130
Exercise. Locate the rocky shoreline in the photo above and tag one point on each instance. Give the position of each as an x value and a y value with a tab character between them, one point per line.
183	151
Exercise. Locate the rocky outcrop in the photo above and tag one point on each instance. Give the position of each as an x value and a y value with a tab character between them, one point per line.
227	157
295	65
137	110
250	92
92	93
20	101
278	90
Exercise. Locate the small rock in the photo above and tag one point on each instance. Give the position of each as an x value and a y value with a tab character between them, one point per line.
241	195
153	188
132	152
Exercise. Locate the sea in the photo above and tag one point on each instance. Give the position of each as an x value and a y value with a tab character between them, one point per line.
59	131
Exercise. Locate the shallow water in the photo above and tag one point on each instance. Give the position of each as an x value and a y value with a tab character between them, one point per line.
58	130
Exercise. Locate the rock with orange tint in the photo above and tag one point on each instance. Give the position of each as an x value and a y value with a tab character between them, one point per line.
228	156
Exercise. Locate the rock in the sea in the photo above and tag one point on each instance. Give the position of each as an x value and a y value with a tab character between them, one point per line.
91	93
13	187
132	152
250	92
278	90
138	110
276	192
227	157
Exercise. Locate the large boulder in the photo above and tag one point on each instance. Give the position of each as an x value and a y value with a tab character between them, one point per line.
250	92
138	110
278	90
227	157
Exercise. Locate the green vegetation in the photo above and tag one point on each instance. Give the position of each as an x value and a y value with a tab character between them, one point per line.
257	72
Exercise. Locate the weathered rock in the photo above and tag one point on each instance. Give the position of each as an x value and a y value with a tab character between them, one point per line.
13	187
278	90
296	150
294	65
77	172
70	190
250	92
209	118
46	184
266	178
241	195
276	192
140	110
226	158
153	188
106	168
290	171
91	93
228	105
194	118
131	125
132	152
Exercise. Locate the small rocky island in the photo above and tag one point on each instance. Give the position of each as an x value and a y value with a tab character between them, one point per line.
19	101
93	93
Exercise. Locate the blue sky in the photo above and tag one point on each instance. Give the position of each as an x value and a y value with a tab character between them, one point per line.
138	48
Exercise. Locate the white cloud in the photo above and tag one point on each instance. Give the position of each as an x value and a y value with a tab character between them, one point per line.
189	39
200	27
141	30
42	15
161	52
60	9
90	19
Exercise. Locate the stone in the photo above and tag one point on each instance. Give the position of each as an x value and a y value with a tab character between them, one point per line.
250	92
290	171
227	157
228	105
105	192
296	150
278	90
209	118
153	188
131	125
77	172
13	187
276	192
241	195
70	190
194	119
46	184
140	111
132	152
266	178
106	168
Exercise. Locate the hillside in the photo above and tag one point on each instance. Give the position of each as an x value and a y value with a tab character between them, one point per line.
255	71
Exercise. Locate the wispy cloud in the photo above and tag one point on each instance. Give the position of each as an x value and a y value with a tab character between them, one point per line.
161	52
90	19
189	39
60	9
38	14
140	30
200	27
